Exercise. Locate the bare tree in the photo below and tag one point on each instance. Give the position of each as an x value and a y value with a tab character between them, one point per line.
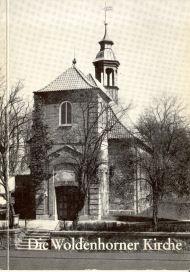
165	132
122	175
98	119
13	117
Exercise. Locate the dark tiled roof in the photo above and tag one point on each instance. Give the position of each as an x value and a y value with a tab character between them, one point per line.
119	131
71	79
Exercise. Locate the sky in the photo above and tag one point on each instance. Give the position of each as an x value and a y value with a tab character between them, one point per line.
151	41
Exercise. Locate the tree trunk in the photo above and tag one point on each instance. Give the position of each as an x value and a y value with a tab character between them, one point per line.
75	222
11	215
81	197
155	210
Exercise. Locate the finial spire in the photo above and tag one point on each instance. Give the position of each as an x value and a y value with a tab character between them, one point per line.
106	38
74	62
74	59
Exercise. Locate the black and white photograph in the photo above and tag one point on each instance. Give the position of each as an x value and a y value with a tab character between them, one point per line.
95	135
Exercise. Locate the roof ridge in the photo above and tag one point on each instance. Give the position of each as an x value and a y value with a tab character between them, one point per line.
92	78
60	78
100	86
54	80
84	77
119	121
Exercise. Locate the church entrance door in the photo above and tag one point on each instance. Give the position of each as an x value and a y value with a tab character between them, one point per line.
67	202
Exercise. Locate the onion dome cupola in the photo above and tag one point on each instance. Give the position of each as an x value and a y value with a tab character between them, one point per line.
106	66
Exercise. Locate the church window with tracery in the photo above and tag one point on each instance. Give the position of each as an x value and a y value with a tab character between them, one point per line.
65	114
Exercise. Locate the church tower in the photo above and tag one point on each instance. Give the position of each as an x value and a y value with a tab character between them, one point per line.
106	66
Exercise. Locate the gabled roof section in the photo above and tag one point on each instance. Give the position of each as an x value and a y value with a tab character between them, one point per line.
91	79
71	79
119	131
98	85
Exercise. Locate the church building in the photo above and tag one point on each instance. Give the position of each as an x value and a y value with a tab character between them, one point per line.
62	107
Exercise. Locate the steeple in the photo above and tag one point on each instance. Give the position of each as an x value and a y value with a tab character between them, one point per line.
106	65
106	39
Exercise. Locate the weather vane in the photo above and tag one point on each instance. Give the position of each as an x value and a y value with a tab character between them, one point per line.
106	9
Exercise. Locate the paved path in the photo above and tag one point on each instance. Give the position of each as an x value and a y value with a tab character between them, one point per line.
77	260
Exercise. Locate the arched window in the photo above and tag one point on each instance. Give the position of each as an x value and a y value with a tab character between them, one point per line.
65	113
110	77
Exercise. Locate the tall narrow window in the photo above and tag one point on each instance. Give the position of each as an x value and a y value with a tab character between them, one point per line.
65	114
110	77
113	78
